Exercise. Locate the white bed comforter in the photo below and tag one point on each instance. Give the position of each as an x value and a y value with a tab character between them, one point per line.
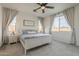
34	35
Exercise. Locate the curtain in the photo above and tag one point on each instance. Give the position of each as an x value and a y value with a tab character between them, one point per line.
69	15
51	23
8	15
42	23
13	13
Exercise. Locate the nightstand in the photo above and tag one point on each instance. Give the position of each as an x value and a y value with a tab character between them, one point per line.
12	39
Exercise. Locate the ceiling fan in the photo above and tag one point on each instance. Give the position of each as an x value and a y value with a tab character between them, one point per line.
43	6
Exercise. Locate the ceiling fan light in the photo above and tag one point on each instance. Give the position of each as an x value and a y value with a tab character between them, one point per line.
43	7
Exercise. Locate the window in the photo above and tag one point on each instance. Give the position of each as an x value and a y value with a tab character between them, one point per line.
60	24
11	27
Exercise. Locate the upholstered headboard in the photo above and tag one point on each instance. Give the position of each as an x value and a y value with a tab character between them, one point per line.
29	31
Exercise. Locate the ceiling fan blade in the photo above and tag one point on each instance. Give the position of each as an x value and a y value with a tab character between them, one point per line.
39	4
36	9
49	7
44	4
43	11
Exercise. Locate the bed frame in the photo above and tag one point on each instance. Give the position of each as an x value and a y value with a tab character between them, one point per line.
32	42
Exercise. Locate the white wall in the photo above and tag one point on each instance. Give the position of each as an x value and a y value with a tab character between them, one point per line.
62	36
0	25
19	22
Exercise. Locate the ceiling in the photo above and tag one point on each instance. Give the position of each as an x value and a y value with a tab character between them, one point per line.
27	8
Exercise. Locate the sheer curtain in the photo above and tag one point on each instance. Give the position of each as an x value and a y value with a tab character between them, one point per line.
42	23
69	15
8	15
51	22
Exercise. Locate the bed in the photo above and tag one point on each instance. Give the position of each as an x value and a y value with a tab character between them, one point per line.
29	41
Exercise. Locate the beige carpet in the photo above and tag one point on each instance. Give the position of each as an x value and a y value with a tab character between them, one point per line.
12	49
56	48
